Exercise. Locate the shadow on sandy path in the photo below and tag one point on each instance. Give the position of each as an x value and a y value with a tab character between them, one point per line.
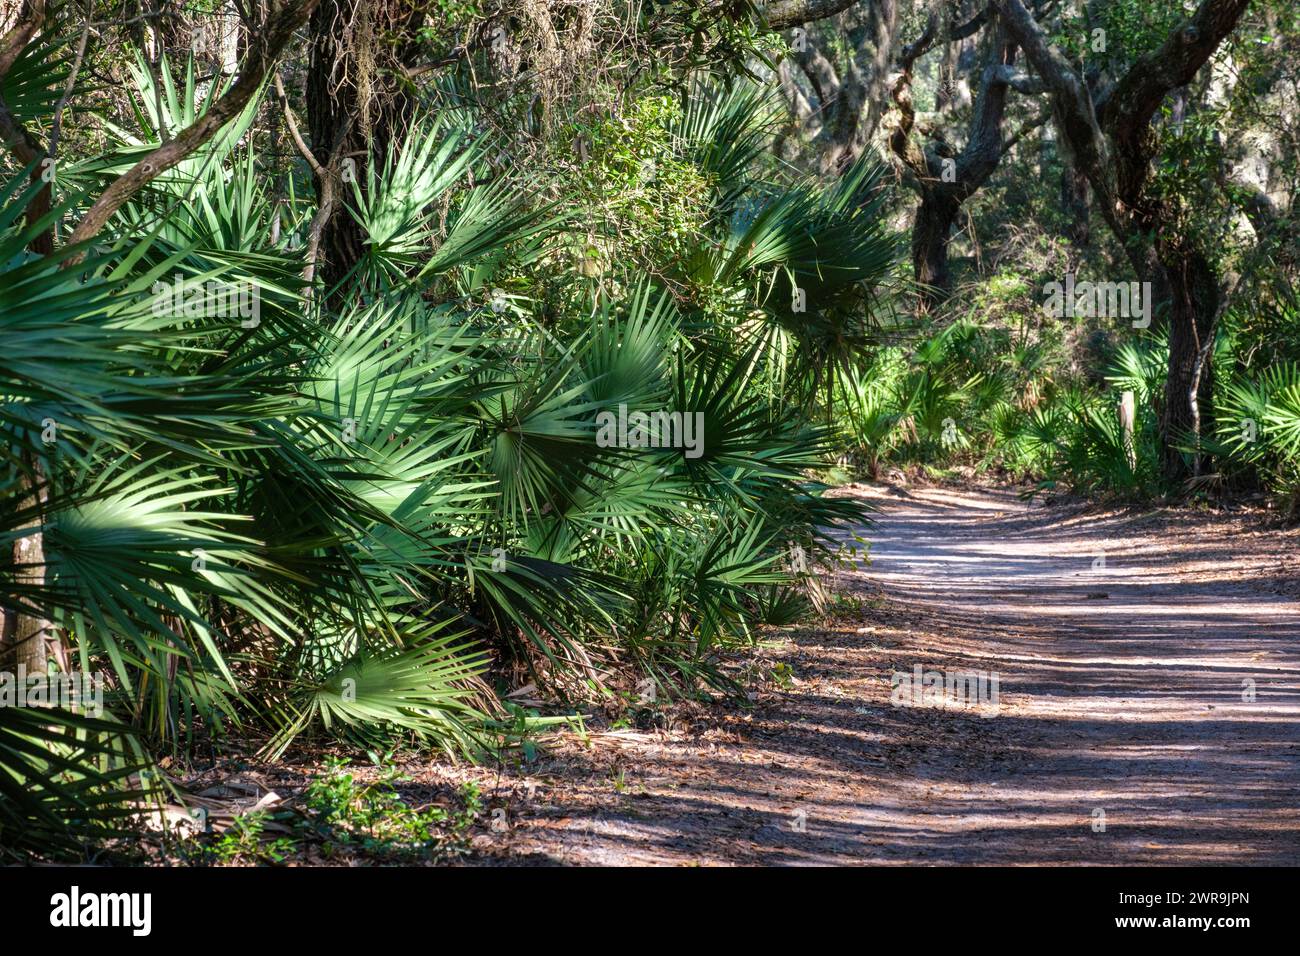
1124	733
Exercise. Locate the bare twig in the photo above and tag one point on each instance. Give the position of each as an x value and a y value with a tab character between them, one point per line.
292	122
56	127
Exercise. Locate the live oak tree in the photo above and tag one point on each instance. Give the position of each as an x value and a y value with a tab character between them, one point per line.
836	80
943	175
1114	141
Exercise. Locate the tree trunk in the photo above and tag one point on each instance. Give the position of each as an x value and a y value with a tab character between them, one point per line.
351	110
1193	305
943	178
930	233
1074	203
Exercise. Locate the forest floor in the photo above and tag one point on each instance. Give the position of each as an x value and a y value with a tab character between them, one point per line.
1124	731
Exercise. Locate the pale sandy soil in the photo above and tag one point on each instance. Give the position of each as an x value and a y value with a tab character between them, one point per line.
1120	694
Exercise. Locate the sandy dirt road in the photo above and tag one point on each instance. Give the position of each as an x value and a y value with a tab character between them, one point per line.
1125	731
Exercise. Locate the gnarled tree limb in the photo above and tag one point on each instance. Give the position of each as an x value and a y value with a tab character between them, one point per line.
1126	114
944	176
782	14
264	48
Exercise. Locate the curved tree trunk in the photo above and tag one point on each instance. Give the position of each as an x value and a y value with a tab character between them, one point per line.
943	178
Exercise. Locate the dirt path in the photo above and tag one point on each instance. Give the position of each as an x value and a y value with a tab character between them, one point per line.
1121	702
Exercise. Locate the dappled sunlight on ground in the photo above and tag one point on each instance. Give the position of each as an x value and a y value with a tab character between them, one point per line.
1148	711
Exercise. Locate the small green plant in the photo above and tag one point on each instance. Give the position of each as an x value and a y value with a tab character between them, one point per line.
244	843
372	819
